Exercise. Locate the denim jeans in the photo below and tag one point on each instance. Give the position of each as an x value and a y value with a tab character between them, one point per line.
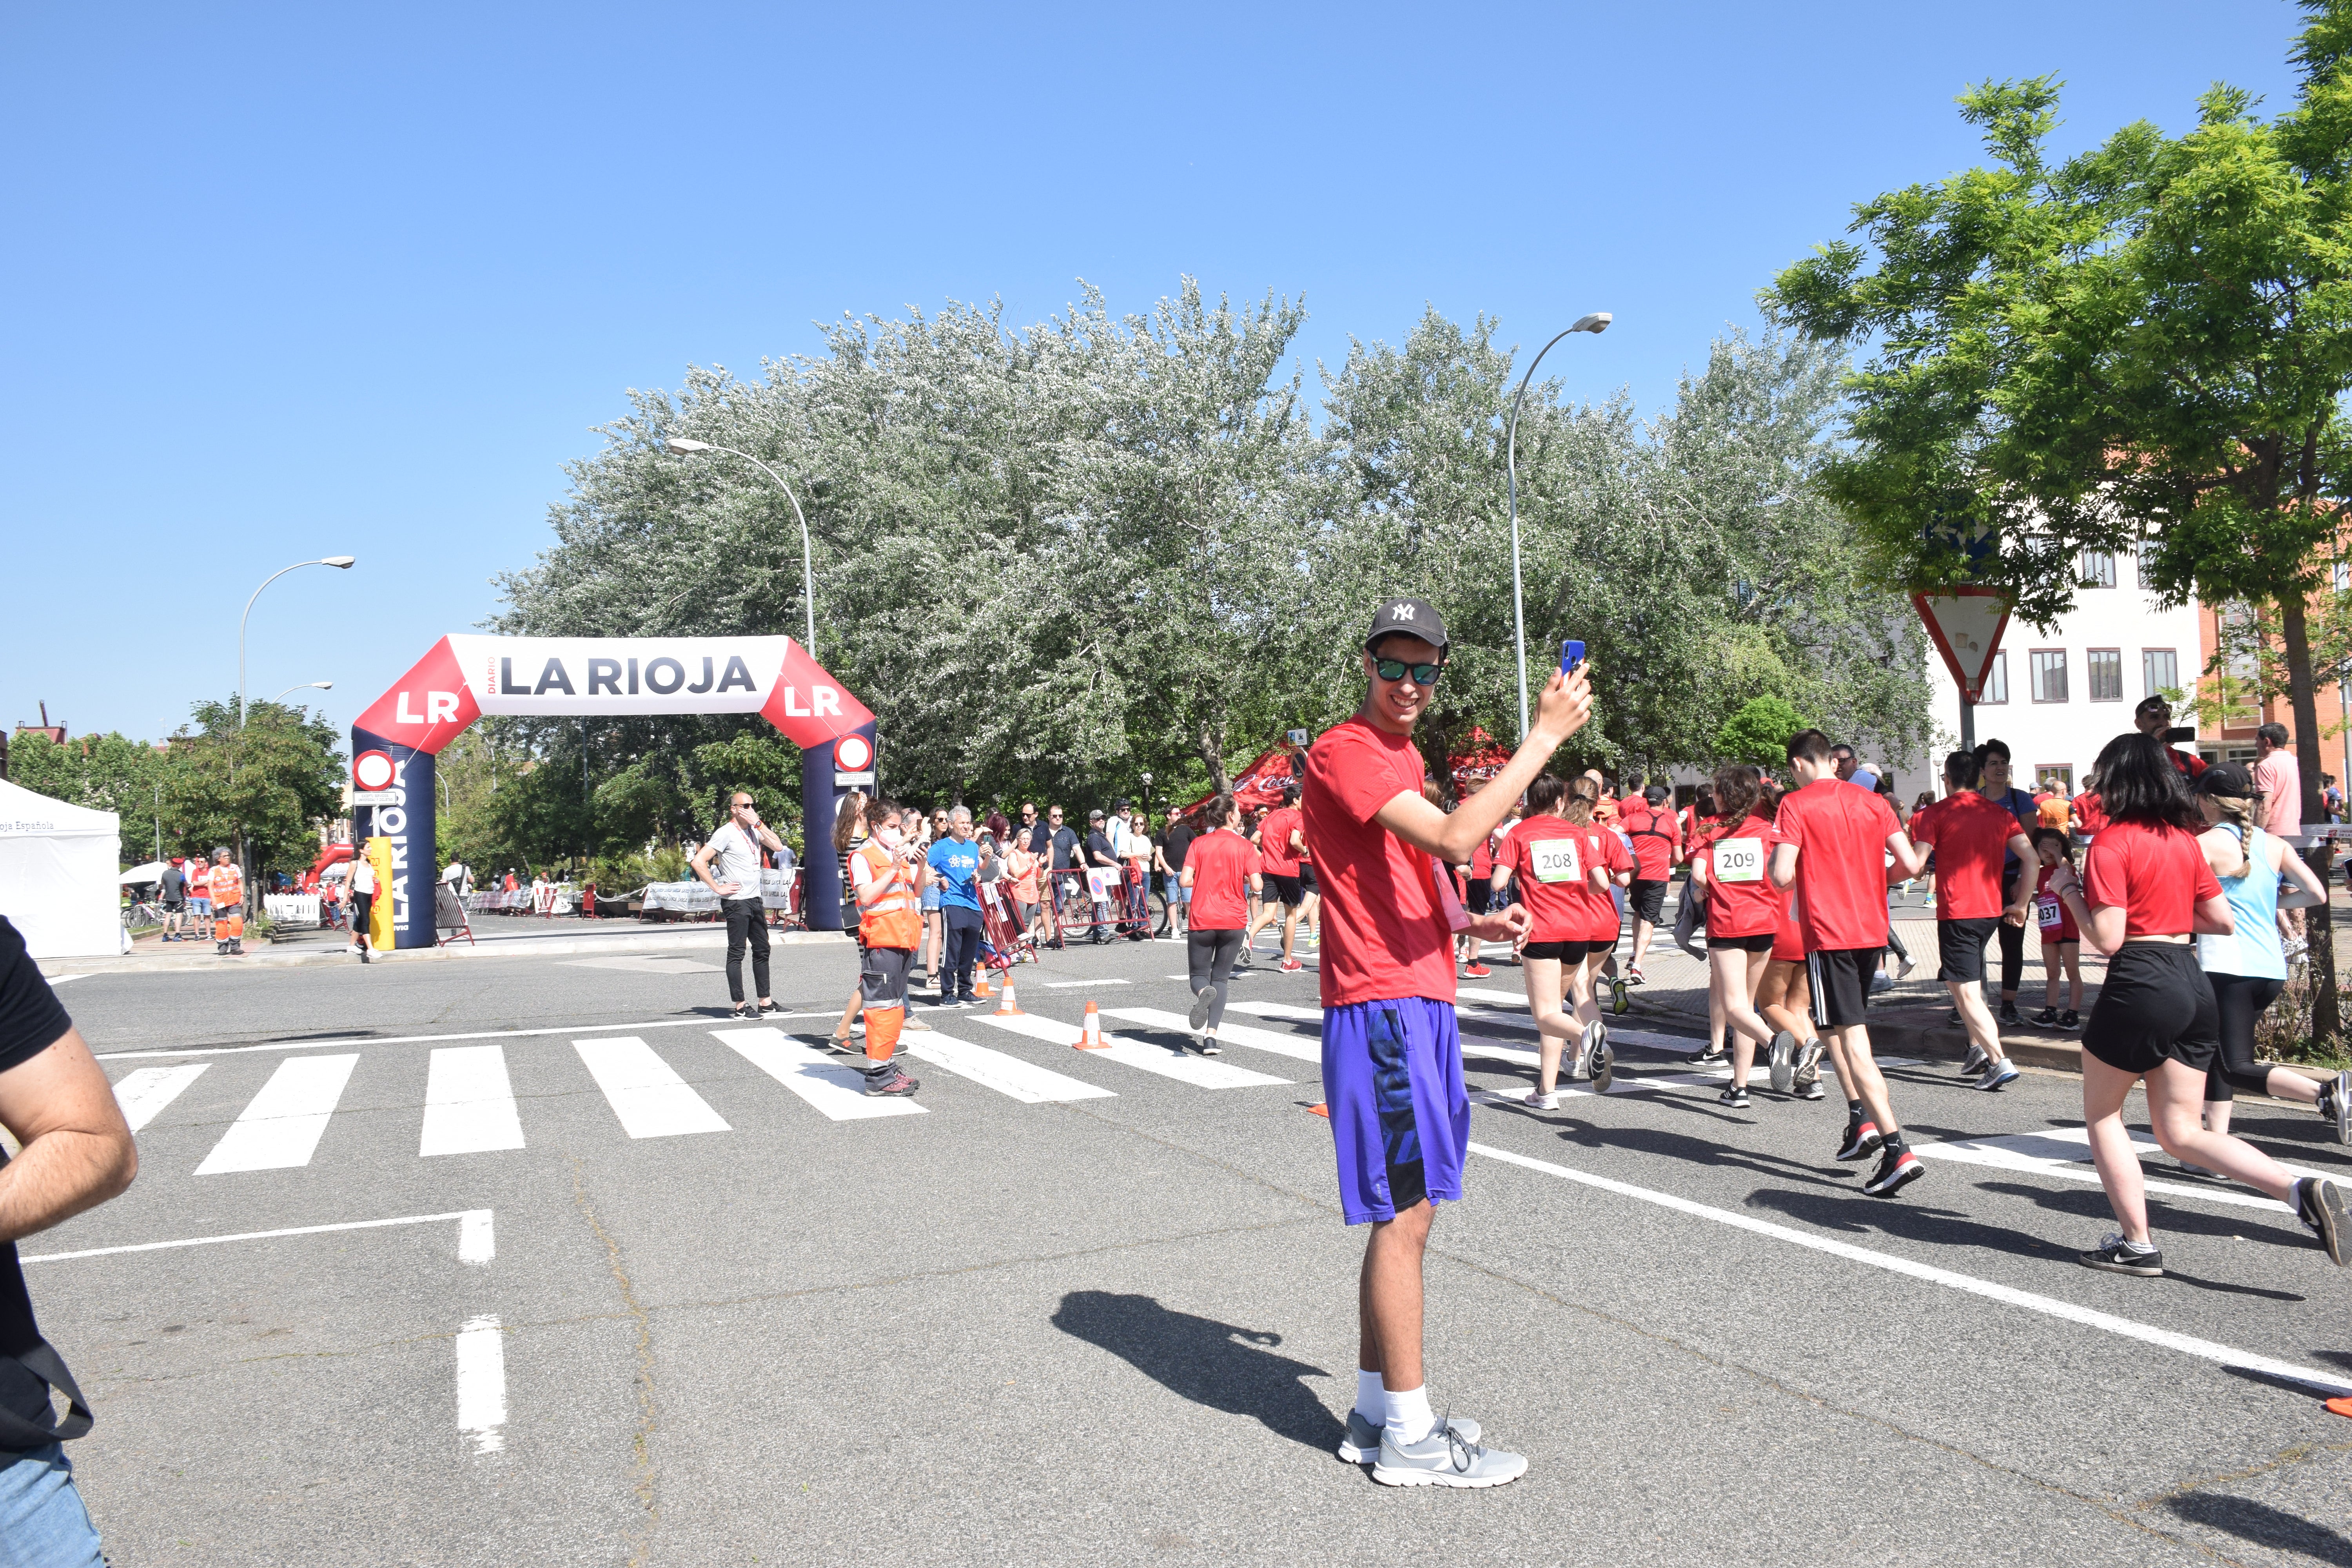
43	1523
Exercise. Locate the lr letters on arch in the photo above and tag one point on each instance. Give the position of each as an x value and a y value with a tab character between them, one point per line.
465	677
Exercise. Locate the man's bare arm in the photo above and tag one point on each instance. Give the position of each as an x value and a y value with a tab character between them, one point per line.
1566	704
77	1150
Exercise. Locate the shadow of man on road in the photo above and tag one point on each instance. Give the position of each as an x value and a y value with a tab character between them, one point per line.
1209	1362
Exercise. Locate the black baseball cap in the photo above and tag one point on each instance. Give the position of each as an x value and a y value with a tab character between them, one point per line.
2229	779
1414	618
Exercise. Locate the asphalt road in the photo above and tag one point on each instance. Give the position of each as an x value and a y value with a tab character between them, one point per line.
1095	1314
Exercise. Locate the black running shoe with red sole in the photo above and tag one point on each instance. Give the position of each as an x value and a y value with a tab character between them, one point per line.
1894	1172
1862	1141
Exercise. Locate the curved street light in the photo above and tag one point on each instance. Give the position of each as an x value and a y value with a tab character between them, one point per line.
306	686
342	562
684	448
1596	323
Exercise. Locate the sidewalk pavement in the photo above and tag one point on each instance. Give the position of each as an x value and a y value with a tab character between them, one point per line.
500	936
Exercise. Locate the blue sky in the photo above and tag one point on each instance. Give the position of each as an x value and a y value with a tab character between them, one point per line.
285	283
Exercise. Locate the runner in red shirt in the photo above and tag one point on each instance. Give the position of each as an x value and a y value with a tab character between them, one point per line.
1658	842
1786	998
1478	892
1221	870
1972	838
2062	939
1400	1114
1566	865
2089	815
1281	838
2145	886
1743	912
1835	841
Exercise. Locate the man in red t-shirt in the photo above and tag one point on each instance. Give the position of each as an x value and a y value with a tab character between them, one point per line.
1971	836
1834	845
1281	846
1392	1083
1658	842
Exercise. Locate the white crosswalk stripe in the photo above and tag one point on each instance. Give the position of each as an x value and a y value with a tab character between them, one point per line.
469	1106
280	1127
1298	1048
144	1094
836	1091
1201	1072
644	1091
1006	1074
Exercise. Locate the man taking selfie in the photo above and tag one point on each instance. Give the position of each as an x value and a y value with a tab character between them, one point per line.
736	846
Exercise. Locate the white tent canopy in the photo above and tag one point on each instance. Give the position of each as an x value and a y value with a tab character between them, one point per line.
58	870
151	872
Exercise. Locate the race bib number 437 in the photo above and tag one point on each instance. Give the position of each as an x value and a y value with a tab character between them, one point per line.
1739	860
1553	860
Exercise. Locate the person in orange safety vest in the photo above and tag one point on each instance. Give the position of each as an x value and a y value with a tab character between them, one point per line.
890	925
228	905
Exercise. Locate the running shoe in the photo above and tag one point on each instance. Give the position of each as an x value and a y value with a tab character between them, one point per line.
1782	1060
2117	1255
1904	971
1714	1056
2336	1105
1634	975
2046	1019
1291	966
1444	1459
1618	1000
1604	1065
1975	1062
771	1005
892	1084
1733	1096
1209	1046
1808	1069
1812	1089
1538	1100
2008	1015
743	1010
1862	1141
1952	1017
2196	1173
840	1045
1476	970
2320	1206
1998	1075
2070	1019
1203	1000
1362	1445
1880	980
1894	1172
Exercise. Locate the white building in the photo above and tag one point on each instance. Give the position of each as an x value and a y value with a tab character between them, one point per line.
2056	699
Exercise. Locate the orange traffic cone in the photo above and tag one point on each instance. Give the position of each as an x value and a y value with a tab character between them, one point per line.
1319	1108
979	986
1090	1036
1007	1006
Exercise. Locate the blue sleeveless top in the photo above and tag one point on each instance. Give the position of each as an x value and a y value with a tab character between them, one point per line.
2252	950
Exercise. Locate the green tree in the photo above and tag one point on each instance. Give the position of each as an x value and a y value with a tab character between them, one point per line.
262	788
1758	732
2146	347
104	773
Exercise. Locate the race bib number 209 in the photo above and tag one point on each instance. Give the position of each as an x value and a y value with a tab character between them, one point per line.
1739	860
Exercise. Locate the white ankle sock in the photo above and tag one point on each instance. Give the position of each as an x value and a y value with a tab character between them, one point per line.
1369	1401
1408	1419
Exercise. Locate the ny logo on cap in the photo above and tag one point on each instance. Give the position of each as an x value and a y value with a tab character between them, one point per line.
1401	613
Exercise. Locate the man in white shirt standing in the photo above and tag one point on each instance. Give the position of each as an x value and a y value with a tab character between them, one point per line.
736	846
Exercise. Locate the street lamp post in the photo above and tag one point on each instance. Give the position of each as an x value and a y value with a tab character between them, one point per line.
305	686
342	562
686	447
1596	323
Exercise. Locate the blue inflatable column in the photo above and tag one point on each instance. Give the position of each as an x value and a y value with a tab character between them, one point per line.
819	797
409	823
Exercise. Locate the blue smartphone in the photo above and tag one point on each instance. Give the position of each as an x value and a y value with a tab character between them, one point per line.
1571	655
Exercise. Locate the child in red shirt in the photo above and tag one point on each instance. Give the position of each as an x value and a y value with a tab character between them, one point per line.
2062	939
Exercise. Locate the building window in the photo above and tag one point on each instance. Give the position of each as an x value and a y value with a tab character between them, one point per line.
2058	776
2106	668
2048	669
1996	681
2160	668
2339	576
2098	569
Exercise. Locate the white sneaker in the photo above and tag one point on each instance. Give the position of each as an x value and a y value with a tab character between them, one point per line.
1540	1100
1444	1459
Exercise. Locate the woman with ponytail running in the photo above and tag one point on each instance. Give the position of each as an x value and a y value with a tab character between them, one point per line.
1743	911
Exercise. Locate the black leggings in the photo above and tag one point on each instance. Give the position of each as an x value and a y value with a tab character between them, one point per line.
2242	999
1210	955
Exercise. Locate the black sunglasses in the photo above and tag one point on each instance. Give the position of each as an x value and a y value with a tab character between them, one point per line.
1394	669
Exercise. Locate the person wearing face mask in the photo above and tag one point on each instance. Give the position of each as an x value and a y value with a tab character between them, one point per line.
889	924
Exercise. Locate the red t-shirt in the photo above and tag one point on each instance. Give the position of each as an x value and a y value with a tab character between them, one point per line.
1221	864
1970	836
1599	845
1273	841
1738	908
1841	836
1655	837
1385	937
2051	913
1482	859
2089	816
1788	941
2156	875
1550	857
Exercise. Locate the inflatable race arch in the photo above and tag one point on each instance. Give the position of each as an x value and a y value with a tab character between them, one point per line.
464	677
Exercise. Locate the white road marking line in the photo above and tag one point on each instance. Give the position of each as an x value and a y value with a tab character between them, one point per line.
474	1236
649	1098
2332	1383
2062	1151
825	1081
469	1105
1005	1073
482	1384
1201	1072
62	979
643	963
1295	1047
426	1039
1073	984
282	1126
1472	1043
144	1094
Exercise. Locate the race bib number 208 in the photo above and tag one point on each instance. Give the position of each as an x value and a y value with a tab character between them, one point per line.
1739	860
1553	860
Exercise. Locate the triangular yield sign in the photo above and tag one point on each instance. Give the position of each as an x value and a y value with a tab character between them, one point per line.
1966	624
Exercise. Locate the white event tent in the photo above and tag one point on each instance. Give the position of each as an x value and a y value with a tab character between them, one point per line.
58	875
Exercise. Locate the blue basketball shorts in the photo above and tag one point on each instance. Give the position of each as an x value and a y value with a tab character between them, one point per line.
1399	1112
